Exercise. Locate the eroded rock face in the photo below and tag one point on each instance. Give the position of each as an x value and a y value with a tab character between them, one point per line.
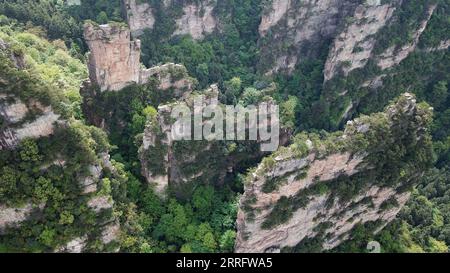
293	30
138	15
179	164
15	130
197	17
17	60
20	120
443	45
169	76
353	47
114	62
197	20
293	197
160	165
32	119
110	233
114	59
18	124
99	203
393	56
11	217
75	246
273	15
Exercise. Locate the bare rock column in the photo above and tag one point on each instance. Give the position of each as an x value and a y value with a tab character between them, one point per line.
114	60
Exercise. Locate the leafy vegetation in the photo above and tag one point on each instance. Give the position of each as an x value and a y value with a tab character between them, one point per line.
49	34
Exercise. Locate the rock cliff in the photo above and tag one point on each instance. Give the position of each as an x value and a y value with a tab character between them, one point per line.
195	18
353	47
292	31
29	114
395	55
367	52
12	217
320	188
114	61
167	162
138	15
177	166
17	119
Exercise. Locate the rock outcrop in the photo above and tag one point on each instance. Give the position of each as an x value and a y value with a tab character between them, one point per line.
12	217
17	59
114	62
162	163
443	45
138	15
197	17
295	30
352	48
36	116
15	130
178	165
169	76
318	190
114	59
197	20
17	120
367	52
75	246
394	55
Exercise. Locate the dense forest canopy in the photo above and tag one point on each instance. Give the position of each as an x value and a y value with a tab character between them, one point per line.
49	34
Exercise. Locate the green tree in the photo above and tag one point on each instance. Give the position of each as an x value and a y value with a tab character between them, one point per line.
288	112
102	18
29	151
233	89
202	201
227	241
8	182
66	218
251	96
437	246
440	94
209	241
43	190
47	237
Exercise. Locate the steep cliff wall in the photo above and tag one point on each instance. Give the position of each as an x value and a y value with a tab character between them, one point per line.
167	162
195	18
295	30
138	15
53	167
13	114
395	54
114	62
12	217
180	165
353	47
372	49
114	59
292	31
17	119
319	189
